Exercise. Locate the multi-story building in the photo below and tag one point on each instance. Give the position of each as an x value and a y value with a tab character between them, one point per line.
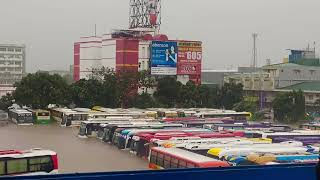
134	51
12	66
300	72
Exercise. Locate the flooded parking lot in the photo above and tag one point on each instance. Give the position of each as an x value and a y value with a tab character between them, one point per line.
75	154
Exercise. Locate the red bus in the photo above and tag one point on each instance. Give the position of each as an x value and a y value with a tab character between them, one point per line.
30	162
173	158
143	141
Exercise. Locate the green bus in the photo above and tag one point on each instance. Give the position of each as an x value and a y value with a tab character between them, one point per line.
41	116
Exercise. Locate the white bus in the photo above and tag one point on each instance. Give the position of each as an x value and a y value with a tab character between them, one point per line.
58	113
30	162
21	116
72	118
238	116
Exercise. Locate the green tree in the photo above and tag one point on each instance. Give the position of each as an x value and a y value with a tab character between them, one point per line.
249	106
207	97
87	93
146	80
299	108
168	89
229	95
188	95
289	107
143	101
6	101
41	89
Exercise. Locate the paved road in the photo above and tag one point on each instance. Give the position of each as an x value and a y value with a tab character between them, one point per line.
75	154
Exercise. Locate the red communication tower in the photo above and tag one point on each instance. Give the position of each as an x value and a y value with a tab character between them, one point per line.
145	14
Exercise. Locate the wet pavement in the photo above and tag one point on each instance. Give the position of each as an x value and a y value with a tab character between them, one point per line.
75	154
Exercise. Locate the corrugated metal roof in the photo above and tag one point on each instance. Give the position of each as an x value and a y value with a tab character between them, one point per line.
288	65
305	86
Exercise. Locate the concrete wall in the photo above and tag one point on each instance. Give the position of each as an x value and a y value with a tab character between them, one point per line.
291	74
108	52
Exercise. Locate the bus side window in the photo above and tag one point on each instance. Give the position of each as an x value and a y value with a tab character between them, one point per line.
17	166
182	164
153	158
174	163
190	165
2	168
40	164
160	159
167	162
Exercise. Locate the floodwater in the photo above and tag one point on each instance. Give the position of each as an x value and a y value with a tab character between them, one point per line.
75	154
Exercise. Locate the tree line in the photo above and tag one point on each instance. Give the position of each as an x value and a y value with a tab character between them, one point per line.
108	89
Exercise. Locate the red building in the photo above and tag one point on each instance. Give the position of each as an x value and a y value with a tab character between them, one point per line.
132	51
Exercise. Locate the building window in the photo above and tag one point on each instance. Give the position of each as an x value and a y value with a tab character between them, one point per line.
143	52
148	53
3	49
143	65
10	49
310	97
18	50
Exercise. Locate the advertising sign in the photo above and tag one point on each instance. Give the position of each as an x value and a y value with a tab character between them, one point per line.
164	56
189	58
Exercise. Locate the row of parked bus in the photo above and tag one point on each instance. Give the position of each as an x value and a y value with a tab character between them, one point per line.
73	117
28	116
189	142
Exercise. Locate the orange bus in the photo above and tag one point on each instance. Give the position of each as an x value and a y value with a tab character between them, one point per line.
173	158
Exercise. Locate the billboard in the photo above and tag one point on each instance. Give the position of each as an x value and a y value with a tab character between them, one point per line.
164	56
189	58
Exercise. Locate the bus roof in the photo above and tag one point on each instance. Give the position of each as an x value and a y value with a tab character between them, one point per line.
184	154
62	110
20	111
26	153
223	113
82	109
38	110
75	113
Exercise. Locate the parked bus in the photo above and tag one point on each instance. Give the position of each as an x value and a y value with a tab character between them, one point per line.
72	118
58	113
4	118
220	114
30	162
144	140
173	158
92	127
132	138
120	134
86	110
41	116
21	116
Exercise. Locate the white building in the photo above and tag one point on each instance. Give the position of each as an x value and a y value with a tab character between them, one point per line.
12	66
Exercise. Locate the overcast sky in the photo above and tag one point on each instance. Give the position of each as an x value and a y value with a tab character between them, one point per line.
50	27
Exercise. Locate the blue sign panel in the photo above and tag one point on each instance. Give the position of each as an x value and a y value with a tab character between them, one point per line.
164	57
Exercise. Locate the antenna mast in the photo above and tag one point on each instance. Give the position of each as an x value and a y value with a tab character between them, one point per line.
145	14
254	51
